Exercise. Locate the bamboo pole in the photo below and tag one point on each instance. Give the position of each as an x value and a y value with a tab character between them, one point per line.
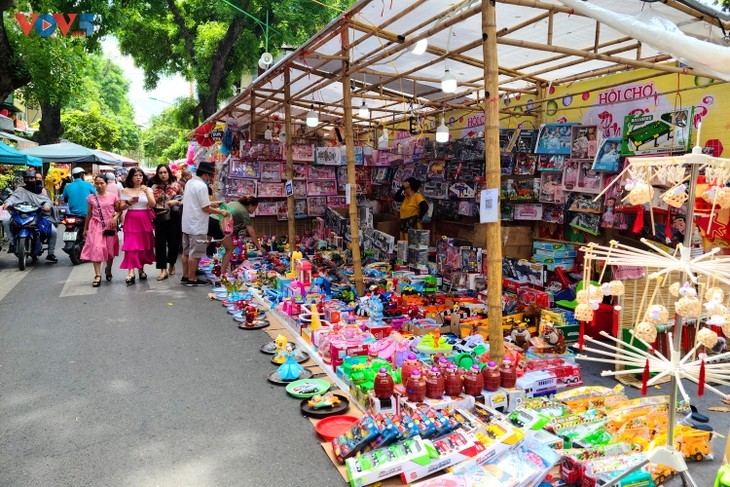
251	116
350	151
291	224
493	244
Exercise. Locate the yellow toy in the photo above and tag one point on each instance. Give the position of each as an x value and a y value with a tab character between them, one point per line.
295	256
281	342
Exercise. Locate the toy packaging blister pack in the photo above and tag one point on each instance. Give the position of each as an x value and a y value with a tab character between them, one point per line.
386	462
355	439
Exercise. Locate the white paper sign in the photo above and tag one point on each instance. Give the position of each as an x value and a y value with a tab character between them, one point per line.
347	194
289	187
489	205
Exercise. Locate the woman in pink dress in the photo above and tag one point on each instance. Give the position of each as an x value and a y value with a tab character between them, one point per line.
139	238
103	215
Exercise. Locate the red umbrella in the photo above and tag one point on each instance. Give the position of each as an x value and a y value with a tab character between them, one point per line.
203	136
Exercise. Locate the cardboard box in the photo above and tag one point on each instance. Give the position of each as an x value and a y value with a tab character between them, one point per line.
387	223
516	241
453	448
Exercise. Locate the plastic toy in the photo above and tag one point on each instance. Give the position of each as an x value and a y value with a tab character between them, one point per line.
473	381
281	345
326	401
355	439
416	387
435	385
290	369
386	462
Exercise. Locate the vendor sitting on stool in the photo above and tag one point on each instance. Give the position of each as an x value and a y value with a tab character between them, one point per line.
413	206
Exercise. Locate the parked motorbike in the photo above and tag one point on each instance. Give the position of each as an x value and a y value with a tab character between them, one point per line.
73	237
30	231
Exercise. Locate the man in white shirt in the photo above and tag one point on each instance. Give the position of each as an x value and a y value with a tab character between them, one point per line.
111	184
196	212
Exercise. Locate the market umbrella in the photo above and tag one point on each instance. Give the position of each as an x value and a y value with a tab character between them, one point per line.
9	155
68	153
126	161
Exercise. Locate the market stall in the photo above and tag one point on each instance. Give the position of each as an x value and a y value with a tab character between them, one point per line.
528	146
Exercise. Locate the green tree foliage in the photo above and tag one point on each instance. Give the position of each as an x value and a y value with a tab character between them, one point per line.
213	43
91	128
165	139
105	89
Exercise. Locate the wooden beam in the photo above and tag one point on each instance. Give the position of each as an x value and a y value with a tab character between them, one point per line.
291	223
493	244
593	56
351	181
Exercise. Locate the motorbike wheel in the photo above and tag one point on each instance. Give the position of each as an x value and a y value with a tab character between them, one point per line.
75	254
20	244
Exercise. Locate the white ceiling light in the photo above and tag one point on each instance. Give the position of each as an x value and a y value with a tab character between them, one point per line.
448	82
312	118
364	111
442	132
420	47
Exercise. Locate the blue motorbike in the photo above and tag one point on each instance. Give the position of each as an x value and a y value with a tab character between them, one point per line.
30	231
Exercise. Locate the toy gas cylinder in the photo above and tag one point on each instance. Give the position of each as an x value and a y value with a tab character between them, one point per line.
452	381
383	386
435	385
473	381
411	363
492	377
416	387
508	374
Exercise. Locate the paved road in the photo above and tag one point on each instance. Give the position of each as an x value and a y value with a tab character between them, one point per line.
154	385
151	385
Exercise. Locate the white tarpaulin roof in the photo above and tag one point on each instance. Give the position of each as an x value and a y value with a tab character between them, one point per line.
540	43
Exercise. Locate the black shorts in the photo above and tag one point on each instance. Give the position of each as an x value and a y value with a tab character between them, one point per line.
214	229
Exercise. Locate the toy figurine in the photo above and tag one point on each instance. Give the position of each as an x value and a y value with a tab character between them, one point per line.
452	381
435	386
492	377
315	323
555	338
416	387
473	381
520	335
281	342
290	369
383	385
326	401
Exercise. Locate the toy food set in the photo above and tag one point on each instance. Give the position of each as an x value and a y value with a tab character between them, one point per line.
388	461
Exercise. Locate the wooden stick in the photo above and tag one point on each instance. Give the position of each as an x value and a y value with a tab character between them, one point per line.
350	151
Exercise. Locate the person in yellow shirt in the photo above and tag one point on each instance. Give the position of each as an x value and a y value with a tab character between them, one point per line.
413	206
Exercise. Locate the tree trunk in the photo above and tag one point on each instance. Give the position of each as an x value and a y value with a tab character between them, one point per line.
209	98
12	76
50	128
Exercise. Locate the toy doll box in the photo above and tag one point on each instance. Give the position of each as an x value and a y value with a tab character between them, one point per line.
386	462
452	449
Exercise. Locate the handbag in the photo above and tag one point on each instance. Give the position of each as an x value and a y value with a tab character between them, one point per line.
107	232
162	215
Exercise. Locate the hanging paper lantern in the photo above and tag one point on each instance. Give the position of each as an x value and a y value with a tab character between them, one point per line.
583	296
707	337
617	288
606	289
688	306
640	194
715	294
595	291
676	196
583	312
674	289
645	331
656	314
